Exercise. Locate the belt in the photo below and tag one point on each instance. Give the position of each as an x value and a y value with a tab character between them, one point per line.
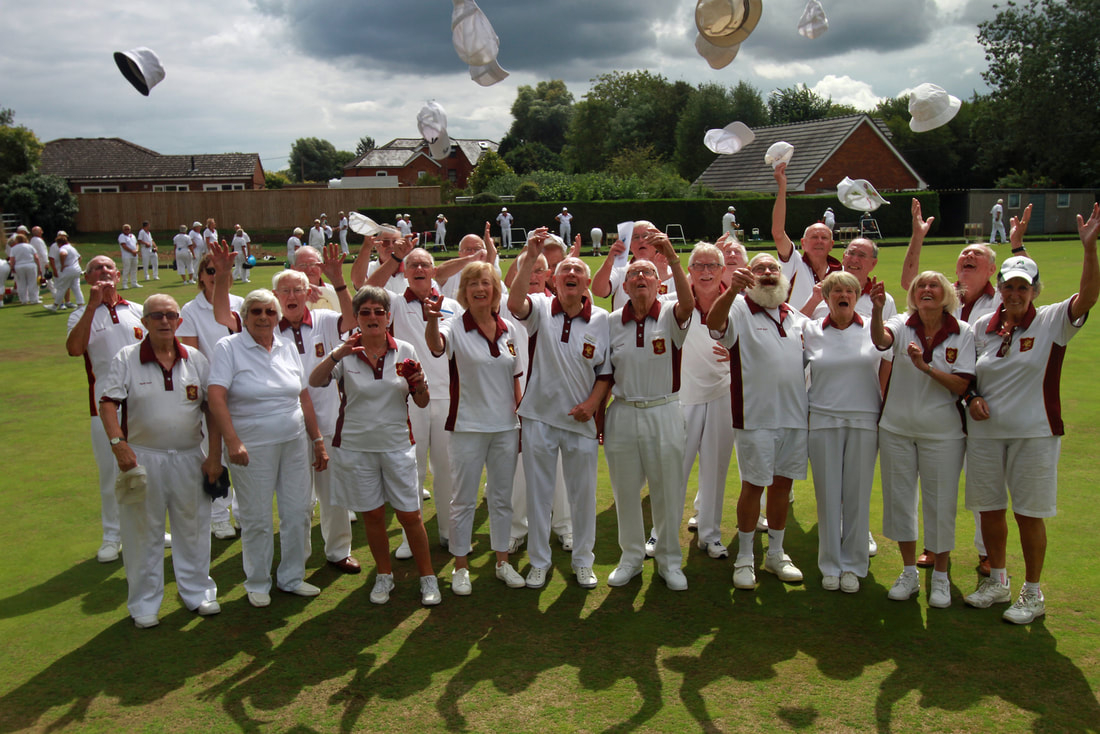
649	403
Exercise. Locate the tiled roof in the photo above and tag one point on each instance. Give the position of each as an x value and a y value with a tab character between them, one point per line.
814	142
399	152
114	158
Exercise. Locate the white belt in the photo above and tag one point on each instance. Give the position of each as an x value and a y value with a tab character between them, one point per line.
649	403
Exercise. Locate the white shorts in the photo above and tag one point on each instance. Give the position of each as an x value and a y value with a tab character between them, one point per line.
766	453
1025	467
366	480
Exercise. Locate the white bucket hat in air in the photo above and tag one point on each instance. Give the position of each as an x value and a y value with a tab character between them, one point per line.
362	224
729	139
727	22
813	21
476	42
859	194
779	152
931	106
141	67
718	57
432	121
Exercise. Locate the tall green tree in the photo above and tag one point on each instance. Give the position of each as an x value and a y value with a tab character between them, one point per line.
314	159
1044	68
541	114
20	149
365	144
584	149
489	167
710	106
797	104
44	200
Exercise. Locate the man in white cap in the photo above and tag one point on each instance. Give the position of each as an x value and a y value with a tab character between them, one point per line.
809	267
565	224
504	219
185	255
404	224
829	218
441	232
610	279
998	229
342	229
198	249
240	244
128	247
317	235
292	244
326	227
148	251
729	222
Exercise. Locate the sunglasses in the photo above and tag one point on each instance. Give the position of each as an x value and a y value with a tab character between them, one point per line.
257	311
210	271
373	312
163	316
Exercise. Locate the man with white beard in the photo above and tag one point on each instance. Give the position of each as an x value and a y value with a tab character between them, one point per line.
770	411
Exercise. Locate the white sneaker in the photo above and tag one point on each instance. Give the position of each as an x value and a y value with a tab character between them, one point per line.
744	577
223	530
536	577
429	591
651	547
566	540
872	546
383	585
259	599
514	544
904	586
403	552
425	494
146	621
693	524
108	552
715	549
674	579
622	574
783	567
303	589
988	593
167	540
940	595
1028	607
586	579
830	583
762	523
509	576
208	608
849	582
460	582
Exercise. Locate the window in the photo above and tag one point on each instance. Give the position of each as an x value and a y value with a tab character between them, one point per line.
452	175
421	174
170	187
223	187
1063	201
99	189
1013	201
381	173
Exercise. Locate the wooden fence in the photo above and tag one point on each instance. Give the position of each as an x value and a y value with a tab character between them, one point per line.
262	209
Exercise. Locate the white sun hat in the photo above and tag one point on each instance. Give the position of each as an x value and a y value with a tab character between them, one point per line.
476	42
729	139
432	121
859	194
931	106
141	67
813	21
718	57
779	152
362	224
727	22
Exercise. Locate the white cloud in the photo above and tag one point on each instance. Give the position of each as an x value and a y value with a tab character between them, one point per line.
846	90
783	71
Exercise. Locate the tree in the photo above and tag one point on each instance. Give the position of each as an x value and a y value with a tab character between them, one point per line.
541	114
489	167
709	106
313	159
44	200
797	104
748	105
275	179
20	148
944	157
365	145
1045	72
533	157
584	149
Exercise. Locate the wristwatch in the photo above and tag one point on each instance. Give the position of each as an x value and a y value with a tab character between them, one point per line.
117	441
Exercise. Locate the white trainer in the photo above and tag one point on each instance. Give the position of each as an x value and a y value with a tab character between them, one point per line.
830	583
849	582
904	586
744	577
651	546
1028	608
783	567
429	591
622	574
460	582
536	577
940	594
510	576
383	585
988	593
586	579
715	549
872	546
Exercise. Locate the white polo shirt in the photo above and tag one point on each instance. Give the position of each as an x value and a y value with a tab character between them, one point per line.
209	236
1020	373
161	409
396	283
407	323
844	386
373	413
263	388
988	302
113	327
182	242
127	244
767	377
145	238
292	246
240	243
802	276
619	298
67	256
645	354
39	246
199	243
197	320
483	398
316	336
915	405
704	378
23	255
567	356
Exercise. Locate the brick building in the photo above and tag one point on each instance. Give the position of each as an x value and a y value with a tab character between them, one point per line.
407	159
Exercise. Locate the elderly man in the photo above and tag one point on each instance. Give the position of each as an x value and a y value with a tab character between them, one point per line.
404	224
293	243
240	244
342	229
644	433
317	235
770	410
128	248
309	261
568	379
185	255
729	222
471	248
388	271
97	332
610	279
803	269
65	261
162	385
998	228
40	249
504	219
198	246
565	224
148	251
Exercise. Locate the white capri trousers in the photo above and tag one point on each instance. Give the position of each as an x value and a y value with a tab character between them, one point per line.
150	259
68	280
26	283
281	471
544	446
843	462
710	436
938	464
561	519
108	473
129	270
470	452
367	480
175	487
335	524
1026	467
433	444
185	263
647	444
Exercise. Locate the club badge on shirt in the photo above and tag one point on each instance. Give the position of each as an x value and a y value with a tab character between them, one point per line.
951	354
192	392
1027	343
658	346
589	351
512	348
319	350
138	333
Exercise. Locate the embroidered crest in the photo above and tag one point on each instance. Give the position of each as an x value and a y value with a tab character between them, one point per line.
192	392
319	350
658	346
589	351
138	333
662	289
512	348
1027	343
951	354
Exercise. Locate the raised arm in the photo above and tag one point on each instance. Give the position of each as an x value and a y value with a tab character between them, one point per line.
221	257
911	266
333	269
1017	230
685	300
783	244
518	303
447	270
77	341
881	338
362	261
1090	272
601	281
719	315
490	248
432	338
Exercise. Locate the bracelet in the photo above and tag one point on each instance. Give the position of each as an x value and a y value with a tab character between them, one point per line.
1018	250
319	439
397	259
332	356
340	288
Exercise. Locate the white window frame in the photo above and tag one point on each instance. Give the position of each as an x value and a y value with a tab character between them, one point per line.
1013	201
1062	201
223	187
170	187
99	189
381	173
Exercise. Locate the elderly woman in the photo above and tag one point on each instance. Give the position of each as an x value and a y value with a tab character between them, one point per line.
921	431
24	262
372	449
845	400
484	429
258	397
1015	424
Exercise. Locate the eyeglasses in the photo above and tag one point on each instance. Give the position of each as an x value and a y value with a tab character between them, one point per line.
162	316
765	269
257	311
712	267
291	291
540	271
373	312
210	271
416	265
634	274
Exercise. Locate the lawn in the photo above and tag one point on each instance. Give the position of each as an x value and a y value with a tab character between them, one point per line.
637	658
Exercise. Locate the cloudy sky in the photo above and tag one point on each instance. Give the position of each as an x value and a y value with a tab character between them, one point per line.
255	75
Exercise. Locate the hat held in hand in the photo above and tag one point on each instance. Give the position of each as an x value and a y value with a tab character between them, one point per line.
780	152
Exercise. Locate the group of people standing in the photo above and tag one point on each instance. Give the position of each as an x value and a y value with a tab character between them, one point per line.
56	267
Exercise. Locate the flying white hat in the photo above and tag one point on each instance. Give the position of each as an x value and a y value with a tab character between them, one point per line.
859	194
432	121
729	139
813	21
141	67
717	56
779	152
727	22
476	42
361	224
931	106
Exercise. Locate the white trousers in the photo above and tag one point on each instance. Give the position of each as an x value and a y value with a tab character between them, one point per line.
129	270
69	279
938	465
281	471
561	518
544	446
108	473
185	263
433	444
335	524
175	487
647	444
470	452
150	259
710	436
26	283
843	461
